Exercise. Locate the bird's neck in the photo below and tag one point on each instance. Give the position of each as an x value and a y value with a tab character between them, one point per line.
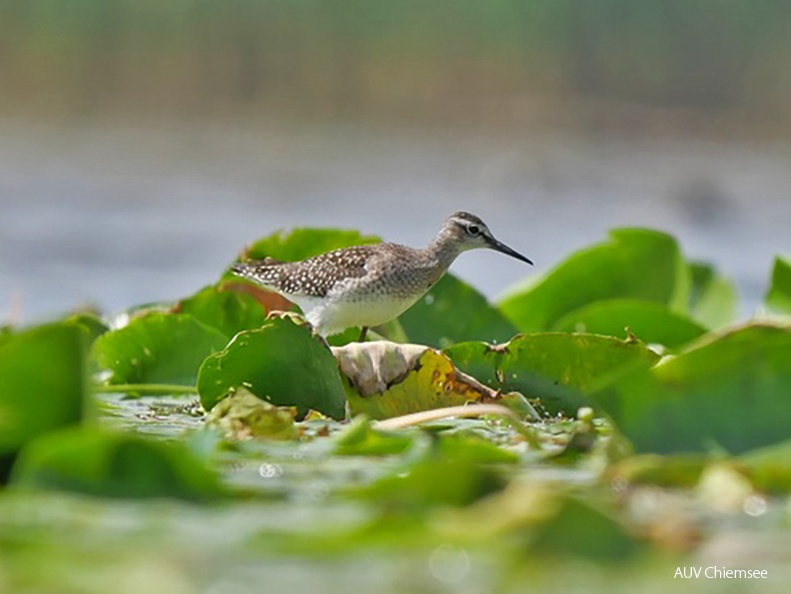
443	251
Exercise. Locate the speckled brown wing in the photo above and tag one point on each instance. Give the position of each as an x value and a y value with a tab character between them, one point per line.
314	276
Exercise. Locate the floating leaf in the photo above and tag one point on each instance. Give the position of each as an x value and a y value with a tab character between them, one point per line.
679	470
227	311
385	379
649	322
779	295
452	311
731	392
474	448
636	264
106	464
243	415
360	439
281	363
769	468
713	298
451	477
6	332
580	530
558	368
157	348
93	325
43	378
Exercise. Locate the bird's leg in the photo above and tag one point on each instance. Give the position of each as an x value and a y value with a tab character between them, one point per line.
363	334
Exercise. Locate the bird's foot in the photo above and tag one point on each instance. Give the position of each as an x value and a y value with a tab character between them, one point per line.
298	319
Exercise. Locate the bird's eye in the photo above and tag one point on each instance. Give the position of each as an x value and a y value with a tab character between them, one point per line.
473	230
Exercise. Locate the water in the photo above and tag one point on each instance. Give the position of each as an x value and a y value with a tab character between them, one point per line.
116	214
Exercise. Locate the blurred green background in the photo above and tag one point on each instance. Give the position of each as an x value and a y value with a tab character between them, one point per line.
143	143
718	65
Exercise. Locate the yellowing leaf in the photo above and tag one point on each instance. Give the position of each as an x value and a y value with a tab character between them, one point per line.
385	379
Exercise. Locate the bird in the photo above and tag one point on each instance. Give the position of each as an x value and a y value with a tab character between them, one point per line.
367	285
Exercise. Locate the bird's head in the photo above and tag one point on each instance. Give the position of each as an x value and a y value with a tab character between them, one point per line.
468	232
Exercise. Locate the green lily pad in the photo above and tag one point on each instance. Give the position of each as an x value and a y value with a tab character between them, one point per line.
580	530
281	363
44	382
452	311
559	369
157	348
90	322
679	470
713	299
227	311
639	264
649	322
730	392
361	439
6	332
301	243
778	297
453	476
769	468
473	447
107	464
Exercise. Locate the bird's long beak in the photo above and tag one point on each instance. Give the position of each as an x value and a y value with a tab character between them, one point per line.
502	248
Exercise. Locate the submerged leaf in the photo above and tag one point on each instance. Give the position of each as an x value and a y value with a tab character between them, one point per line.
636	264
652	323
452	311
243	415
282	363
731	392
105	464
157	348
557	368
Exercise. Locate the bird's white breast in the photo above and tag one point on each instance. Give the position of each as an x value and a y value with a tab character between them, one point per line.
333	315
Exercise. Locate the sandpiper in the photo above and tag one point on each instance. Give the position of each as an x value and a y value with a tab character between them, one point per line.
369	285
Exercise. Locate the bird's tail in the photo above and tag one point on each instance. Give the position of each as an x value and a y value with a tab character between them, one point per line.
262	271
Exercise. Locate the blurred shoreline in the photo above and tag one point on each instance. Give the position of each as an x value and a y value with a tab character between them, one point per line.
700	67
